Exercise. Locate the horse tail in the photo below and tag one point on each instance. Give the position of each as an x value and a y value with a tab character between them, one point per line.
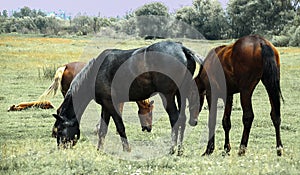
270	77
196	61
56	84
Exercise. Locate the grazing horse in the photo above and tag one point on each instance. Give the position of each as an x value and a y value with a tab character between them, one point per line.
244	63
63	78
118	76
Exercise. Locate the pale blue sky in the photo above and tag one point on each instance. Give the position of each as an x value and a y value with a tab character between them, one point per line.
108	8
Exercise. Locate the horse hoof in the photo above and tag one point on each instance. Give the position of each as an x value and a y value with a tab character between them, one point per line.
146	128
242	150
180	151
126	148
225	153
279	151
205	154
172	151
100	147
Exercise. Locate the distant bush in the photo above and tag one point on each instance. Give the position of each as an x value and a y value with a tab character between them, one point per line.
48	72
280	41
295	39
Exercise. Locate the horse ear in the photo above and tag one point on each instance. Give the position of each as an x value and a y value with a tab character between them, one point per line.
57	117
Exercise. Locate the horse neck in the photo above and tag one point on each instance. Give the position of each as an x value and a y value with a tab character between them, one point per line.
73	107
67	108
81	92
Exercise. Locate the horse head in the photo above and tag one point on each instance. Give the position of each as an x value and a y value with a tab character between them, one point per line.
145	114
66	131
195	106
196	98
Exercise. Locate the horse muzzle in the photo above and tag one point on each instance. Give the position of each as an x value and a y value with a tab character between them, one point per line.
66	143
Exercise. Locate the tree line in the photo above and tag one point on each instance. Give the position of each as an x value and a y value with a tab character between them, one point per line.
278	20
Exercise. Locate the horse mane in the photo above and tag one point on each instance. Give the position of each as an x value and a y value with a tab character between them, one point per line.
82	75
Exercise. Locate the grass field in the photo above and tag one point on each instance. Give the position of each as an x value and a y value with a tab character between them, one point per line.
26	146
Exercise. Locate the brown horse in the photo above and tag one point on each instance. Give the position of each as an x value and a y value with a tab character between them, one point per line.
244	63
26	105
63	78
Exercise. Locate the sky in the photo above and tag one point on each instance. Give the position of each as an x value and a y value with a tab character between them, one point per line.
106	8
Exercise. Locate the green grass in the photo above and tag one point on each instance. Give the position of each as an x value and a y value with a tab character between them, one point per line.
26	146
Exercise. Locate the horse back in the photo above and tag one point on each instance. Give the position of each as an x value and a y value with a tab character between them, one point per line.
71	70
242	61
144	71
247	54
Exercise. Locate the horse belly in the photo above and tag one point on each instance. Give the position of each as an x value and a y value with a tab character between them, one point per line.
141	88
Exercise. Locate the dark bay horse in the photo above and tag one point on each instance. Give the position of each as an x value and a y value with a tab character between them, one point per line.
244	63
118	76
65	75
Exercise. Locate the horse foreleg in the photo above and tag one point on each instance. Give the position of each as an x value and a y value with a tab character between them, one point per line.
182	120
248	117
104	121
227	123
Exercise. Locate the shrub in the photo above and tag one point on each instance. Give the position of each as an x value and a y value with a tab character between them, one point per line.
295	39
281	40
48	72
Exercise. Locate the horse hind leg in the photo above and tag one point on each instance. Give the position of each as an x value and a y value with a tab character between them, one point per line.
227	123
121	130
274	97
248	117
118	122
104	121
271	81
212	105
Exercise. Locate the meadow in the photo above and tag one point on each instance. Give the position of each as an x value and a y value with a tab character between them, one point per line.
26	146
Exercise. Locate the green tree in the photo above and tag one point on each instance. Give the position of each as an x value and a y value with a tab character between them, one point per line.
83	24
217	26
259	16
207	16
239	20
128	26
41	13
152	19
156	8
25	11
41	23
187	28
187	14
5	13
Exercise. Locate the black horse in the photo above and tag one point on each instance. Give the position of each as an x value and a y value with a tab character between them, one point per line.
118	76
